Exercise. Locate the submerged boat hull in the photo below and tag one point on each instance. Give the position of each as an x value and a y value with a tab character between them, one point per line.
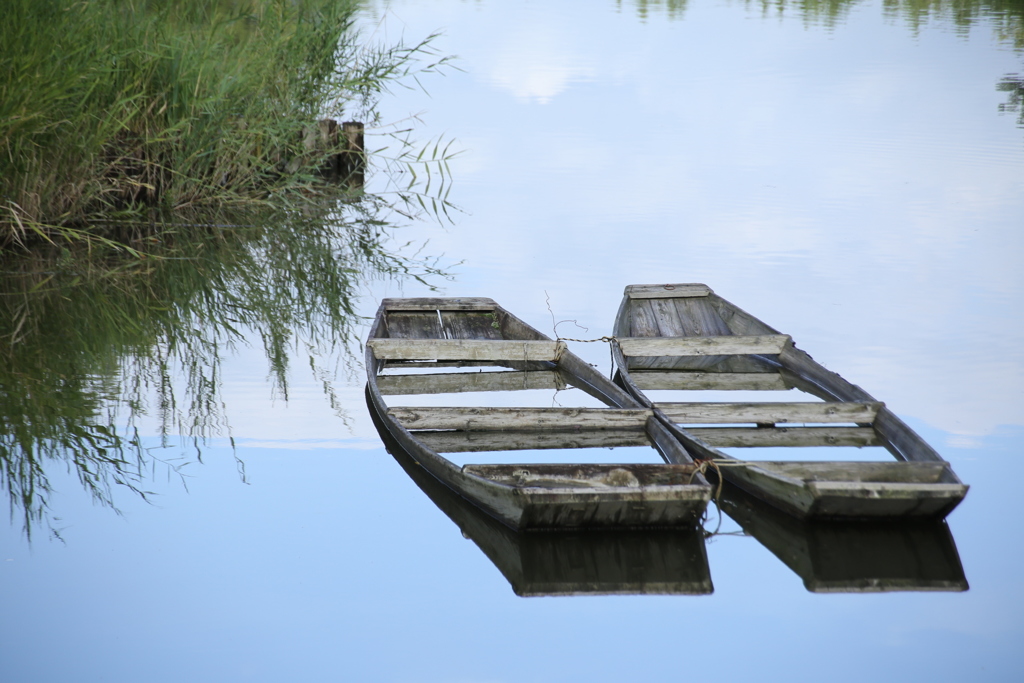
686	337
444	332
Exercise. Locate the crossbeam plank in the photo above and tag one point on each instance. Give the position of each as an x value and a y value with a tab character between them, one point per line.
667	291
520	418
769	344
688	380
473	442
465	349
441	304
461	382
798	437
762	413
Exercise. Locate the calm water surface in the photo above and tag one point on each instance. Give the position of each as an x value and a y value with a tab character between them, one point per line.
842	171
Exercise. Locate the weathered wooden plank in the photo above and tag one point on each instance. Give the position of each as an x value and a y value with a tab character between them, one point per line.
413	325
738	320
753	437
666	291
859	472
465	349
470	325
461	382
440	303
520	418
696	318
764	413
703	346
472	442
652	380
699	319
643	321
590	475
667	319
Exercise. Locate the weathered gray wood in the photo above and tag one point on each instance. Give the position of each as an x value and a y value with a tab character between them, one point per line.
643	321
667	319
678	318
641	561
626	476
520	418
699	319
414	325
470	325
767	413
440	303
461	382
451	441
738	320
875	472
464	349
654	380
666	291
902	441
795	437
701	346
535	505
803	496
433	365
351	161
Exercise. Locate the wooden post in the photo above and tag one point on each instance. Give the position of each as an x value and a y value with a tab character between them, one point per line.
352	159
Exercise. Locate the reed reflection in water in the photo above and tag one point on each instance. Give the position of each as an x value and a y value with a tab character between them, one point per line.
93	343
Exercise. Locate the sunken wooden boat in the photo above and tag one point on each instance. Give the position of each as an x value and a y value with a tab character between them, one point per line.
419	336
655	561
685	337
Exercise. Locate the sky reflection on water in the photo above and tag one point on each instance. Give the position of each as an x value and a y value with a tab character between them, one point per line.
850	181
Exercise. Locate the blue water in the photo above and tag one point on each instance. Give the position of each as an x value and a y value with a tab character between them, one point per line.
850	182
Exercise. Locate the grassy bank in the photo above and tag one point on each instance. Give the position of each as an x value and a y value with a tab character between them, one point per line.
116	109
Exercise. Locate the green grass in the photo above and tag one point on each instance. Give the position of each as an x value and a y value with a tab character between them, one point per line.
117	110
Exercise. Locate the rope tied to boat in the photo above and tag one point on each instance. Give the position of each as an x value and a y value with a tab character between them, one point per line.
702	468
588	341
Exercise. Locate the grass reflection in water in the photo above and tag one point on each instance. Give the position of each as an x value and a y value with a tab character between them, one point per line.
91	342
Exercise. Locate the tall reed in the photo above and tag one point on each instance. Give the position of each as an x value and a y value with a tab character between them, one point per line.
114	109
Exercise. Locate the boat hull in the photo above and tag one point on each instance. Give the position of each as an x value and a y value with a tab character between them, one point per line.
528	496
687	337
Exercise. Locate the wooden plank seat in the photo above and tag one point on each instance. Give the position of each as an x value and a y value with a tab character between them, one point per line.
462	382
466	349
766	344
690	380
771	413
451	441
520	418
793	437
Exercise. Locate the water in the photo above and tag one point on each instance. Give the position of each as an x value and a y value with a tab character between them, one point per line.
848	178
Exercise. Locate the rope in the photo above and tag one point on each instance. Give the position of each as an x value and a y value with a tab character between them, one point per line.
702	465
702	468
588	341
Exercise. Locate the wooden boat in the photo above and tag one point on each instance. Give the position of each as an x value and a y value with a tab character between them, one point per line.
656	561
685	337
459	333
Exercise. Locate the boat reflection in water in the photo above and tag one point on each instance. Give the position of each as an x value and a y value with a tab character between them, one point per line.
576	562
853	556
830	556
